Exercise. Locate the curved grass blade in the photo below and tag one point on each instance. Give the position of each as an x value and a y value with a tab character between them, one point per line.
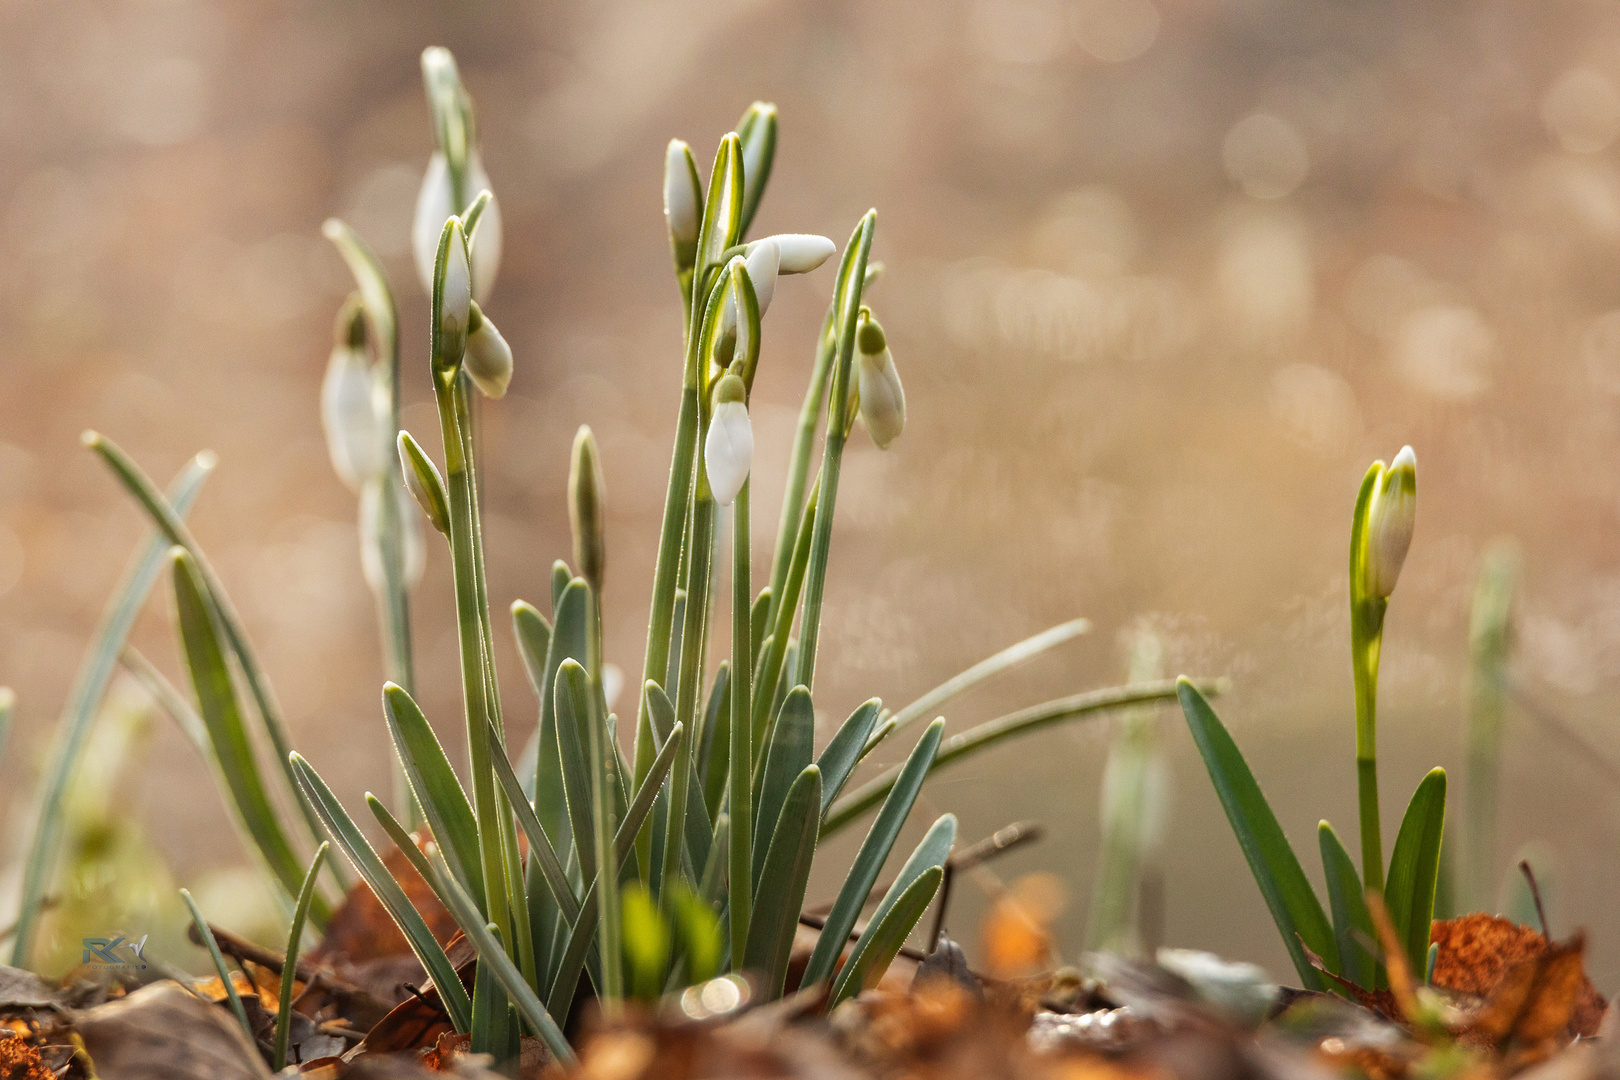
714	756
174	529
1352	923
792	739
289	965
884	938
435	786
227	736
206	936
533	634
569	641
583	933
1414	867
874	852
1293	903
840	756
486	939
781	886
358	850
88	687
573	714
986	735
1004	660
540	846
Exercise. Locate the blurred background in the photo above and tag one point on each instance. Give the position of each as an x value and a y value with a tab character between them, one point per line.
1164	276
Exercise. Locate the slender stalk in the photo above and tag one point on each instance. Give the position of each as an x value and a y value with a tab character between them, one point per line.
88	687
852	277
224	973
690	685
289	965
1489	640
740	873
793	502
776	640
603	809
1366	641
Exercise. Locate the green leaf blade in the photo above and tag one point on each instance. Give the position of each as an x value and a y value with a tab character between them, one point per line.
781	886
1352	922
885	937
1414	867
433	782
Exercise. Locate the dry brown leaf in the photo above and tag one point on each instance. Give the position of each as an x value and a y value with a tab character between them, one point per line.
1527	982
20	1060
163	1032
361	928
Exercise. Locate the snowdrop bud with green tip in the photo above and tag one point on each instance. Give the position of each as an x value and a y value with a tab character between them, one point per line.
756	131
455	299
349	412
586	489
800	252
488	359
425	484
1390	522
728	452
882	399
683	202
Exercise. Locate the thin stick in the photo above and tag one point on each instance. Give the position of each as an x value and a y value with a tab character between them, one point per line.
1535	894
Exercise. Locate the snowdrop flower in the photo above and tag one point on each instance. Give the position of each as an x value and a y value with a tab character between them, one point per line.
1391	518
434	204
488	359
800	252
760	264
882	399
728	452
683	202
410	533
349	410
455	301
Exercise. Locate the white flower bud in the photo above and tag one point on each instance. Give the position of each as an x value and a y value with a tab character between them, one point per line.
801	252
683	199
728	452
1391	517
488	359
434	205
882	399
456	301
410	533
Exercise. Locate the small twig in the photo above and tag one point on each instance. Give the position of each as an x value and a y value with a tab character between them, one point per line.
998	843
1535	894
243	950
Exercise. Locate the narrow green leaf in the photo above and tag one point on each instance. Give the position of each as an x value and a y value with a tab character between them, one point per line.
647	943
444	804
540	846
792	739
929	855
364	858
569	641
1352	922
1293	903
1004	660
289	963
715	753
884	938
1084	706
227	736
573	713
1414	866
206	935
561	576
759	621
872	855
533	634
782	885
89	684
697	929
840	756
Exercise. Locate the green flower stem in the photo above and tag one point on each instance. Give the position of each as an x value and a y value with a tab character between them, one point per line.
740	872
175	532
1075	707
206	936
689	689
1366	641
603	808
793	501
779	634
88	687
1489	641
289	963
851	279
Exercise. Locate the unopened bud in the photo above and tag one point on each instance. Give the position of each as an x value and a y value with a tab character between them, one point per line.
882	399
728	452
586	490
756	131
683	202
424	482
434	203
801	252
349	411
488	360
454	293
1391	518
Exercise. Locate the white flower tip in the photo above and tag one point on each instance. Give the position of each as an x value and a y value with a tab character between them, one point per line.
488	359
1406	459
1391	520
680	196
801	252
728	452
763	263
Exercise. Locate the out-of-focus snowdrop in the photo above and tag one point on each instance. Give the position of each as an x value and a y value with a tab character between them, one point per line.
351	412
455	175
414	557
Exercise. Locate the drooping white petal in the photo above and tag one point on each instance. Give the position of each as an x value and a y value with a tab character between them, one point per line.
434	206
728	452
764	262
883	400
349	416
680	196
801	252
488	359
1391	520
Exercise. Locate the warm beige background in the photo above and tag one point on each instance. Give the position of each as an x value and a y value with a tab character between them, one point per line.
1148	352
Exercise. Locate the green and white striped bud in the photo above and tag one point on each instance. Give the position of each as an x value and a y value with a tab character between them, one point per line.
1391	518
424	482
488	359
728	451
800	252
756	132
683	202
586	490
454	294
349	407
882	399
